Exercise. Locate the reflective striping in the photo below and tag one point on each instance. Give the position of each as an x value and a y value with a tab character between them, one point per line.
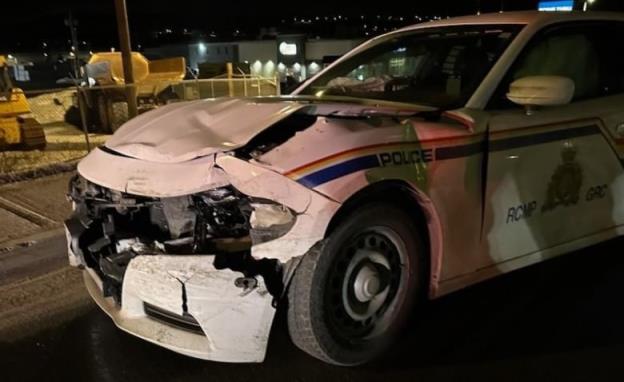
339	170
541	138
454	152
341	157
368	161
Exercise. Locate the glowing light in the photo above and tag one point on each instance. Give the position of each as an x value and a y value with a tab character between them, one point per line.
288	49
556	5
269	68
257	67
314	67
202	48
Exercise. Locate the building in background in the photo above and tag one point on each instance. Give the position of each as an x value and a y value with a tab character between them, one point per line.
288	55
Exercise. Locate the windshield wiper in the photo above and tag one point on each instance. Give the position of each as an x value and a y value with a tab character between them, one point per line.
428	115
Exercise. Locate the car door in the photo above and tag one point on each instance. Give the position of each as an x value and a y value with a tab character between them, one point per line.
554	175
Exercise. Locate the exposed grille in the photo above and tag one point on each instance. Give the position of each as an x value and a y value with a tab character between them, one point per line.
185	321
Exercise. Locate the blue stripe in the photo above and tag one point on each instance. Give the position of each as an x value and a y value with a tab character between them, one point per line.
451	152
339	170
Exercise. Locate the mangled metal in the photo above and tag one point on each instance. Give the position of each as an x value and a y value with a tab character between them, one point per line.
192	289
201	243
199	229
157	137
164	263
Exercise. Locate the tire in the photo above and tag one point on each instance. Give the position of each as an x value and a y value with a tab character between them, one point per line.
341	317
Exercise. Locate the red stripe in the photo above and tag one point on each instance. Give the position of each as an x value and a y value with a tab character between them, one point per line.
343	153
379	145
451	116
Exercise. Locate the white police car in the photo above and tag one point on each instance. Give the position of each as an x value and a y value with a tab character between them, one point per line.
423	161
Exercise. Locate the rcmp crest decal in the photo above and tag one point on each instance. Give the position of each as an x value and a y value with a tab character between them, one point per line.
565	184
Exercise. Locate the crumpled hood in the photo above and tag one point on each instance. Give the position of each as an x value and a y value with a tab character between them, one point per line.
182	131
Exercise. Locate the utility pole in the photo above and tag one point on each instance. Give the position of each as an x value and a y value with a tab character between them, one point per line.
73	30
126	55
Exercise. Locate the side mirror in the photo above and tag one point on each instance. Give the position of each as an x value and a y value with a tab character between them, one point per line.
541	91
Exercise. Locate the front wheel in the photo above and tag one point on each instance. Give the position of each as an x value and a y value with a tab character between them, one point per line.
349	299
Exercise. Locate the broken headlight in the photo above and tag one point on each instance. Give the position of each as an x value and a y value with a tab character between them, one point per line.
270	221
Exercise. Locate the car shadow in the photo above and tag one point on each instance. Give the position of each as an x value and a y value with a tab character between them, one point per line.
562	305
560	317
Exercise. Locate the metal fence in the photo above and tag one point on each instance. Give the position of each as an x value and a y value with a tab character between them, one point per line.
239	86
102	109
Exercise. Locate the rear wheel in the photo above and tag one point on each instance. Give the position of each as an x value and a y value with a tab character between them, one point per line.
349	299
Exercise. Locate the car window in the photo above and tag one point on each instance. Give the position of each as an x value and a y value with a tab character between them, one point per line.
582	53
613	65
438	67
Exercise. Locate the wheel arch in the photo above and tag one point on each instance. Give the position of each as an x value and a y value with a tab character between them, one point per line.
419	206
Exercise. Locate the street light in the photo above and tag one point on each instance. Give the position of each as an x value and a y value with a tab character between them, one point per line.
587	4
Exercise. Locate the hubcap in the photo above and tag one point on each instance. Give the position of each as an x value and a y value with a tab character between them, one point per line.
364	283
367	284
363	290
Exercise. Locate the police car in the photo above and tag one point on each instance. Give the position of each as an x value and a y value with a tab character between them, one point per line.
423	161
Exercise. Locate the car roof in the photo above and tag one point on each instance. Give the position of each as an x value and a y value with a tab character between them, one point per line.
522	17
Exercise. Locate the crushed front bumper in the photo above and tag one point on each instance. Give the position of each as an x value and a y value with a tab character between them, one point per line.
191	296
234	323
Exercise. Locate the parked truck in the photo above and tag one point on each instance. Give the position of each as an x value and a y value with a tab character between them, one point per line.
105	98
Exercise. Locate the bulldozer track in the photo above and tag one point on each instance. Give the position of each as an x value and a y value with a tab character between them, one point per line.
33	134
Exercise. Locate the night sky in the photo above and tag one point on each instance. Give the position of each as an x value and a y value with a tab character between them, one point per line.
29	23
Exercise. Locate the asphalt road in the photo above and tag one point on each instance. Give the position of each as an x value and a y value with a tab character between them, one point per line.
557	321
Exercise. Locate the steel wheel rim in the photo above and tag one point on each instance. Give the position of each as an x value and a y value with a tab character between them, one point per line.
365	283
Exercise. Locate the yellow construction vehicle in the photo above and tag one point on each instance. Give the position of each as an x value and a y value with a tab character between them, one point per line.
17	130
153	80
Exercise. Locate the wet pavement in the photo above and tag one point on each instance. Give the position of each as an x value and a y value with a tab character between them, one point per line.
557	321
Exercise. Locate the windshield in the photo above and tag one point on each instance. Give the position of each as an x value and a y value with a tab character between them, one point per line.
439	67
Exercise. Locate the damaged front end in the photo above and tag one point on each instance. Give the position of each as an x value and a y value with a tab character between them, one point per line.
179	271
186	236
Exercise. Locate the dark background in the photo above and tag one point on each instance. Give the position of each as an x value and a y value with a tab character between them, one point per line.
28	24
